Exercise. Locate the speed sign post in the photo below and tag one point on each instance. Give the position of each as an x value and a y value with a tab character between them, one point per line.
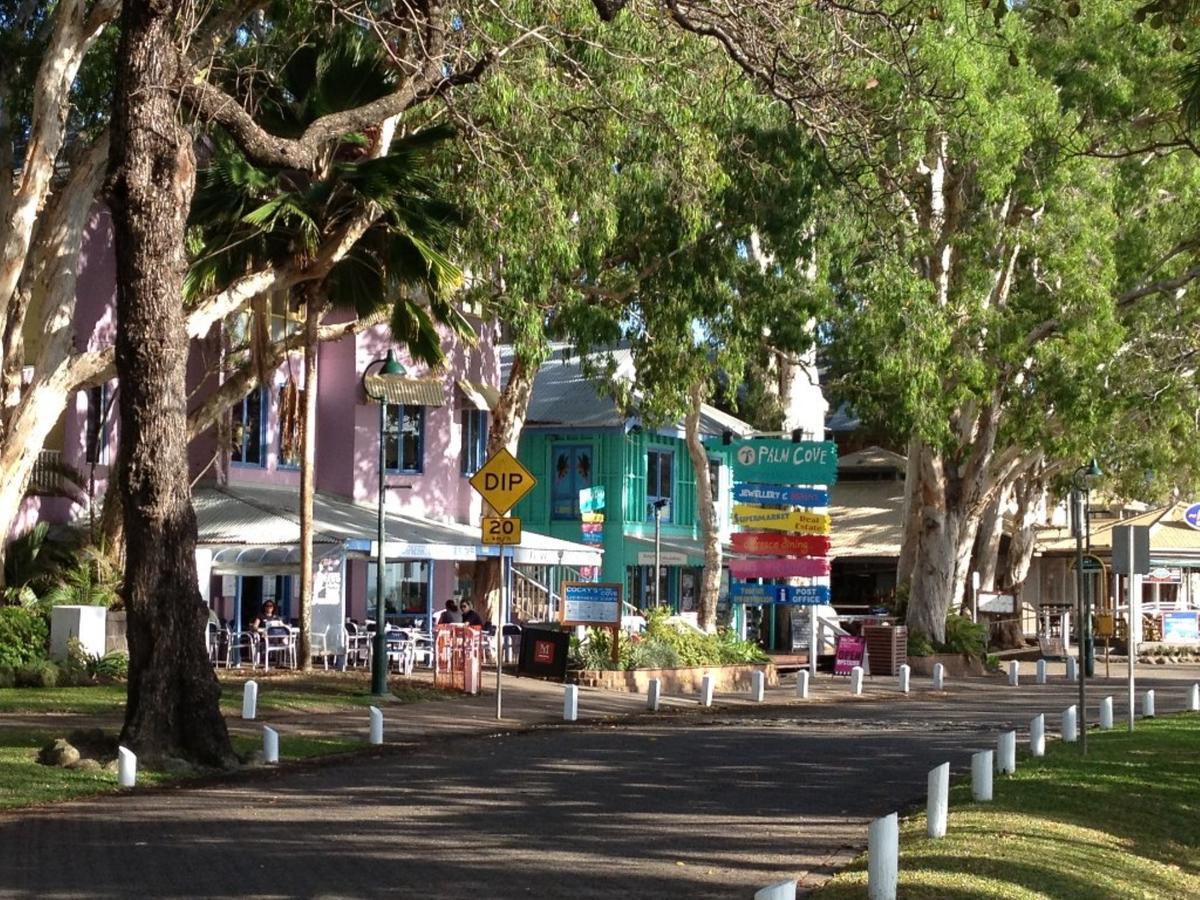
500	530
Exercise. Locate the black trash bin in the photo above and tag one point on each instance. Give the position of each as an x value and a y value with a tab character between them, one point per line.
544	653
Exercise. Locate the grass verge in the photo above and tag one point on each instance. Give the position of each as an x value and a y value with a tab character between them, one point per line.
1120	822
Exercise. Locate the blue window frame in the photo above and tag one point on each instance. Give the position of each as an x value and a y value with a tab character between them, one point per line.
660	482
571	472
474	440
249	426
404	440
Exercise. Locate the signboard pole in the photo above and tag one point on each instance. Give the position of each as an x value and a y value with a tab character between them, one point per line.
504	565
814	645
1135	589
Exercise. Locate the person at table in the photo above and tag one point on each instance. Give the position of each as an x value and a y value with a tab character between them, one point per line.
469	616
266	614
450	615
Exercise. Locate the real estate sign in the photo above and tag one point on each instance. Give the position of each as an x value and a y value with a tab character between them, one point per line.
785	462
772	519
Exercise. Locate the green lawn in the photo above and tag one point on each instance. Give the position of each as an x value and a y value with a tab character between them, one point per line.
1122	822
277	692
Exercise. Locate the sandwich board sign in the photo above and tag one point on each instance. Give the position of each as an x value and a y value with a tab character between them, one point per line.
502	481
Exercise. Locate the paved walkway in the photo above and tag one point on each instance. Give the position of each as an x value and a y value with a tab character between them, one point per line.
686	803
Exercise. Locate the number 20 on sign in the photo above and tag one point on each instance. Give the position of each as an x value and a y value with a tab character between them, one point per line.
501	530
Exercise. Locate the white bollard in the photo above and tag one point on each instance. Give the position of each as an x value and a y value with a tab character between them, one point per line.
981	775
706	690
1148	704
126	767
1037	735
270	745
1072	669
376	730
1070	725
939	676
905	675
856	678
1106	713
1006	753
1041	671
571	702
653	694
1194	699
758	687
802	684
1014	673
883	857
250	700
937	802
781	890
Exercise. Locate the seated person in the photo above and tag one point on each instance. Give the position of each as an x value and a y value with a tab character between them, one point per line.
450	615
266	615
469	616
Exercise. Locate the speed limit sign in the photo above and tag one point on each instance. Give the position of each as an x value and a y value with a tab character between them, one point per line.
501	530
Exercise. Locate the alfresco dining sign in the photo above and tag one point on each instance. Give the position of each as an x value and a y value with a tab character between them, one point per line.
786	462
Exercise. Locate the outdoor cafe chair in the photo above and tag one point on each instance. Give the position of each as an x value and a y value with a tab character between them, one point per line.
241	643
401	649
280	640
318	645
358	644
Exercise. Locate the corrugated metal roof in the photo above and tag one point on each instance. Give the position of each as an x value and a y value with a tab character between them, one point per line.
563	395
407	391
483	397
1060	540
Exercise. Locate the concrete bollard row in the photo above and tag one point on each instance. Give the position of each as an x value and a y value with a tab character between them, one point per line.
1106	714
883	857
1194	698
1037	735
758	686
706	690
905	675
802	684
1006	753
780	890
1148	704
1041	671
1014	673
939	676
270	745
250	699
981	775
653	694
571	703
937	802
375	729
1072	669
1070	725
856	681
126	767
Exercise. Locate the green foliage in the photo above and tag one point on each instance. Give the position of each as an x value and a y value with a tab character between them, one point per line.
964	636
23	636
110	666
919	644
39	674
664	645
31	564
92	580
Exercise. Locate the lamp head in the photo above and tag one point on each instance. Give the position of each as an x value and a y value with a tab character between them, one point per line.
1093	469
393	366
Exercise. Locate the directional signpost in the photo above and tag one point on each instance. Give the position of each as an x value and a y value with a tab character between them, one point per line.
790	520
502	481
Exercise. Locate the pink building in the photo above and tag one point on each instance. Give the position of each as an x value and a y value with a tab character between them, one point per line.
247	480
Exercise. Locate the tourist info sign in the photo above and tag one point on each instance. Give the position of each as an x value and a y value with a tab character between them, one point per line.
765	518
785	462
502	481
590	603
789	594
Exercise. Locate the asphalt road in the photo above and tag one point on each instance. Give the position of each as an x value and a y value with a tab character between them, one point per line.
697	805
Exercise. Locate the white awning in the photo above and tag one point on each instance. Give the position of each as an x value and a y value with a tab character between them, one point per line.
407	391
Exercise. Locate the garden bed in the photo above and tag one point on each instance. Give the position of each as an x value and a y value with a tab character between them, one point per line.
682	680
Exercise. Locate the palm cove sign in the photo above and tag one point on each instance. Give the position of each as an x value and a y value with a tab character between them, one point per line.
785	462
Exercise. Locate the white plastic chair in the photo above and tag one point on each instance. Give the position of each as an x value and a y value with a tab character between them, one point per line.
318	645
279	640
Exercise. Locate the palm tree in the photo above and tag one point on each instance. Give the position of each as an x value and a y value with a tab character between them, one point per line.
243	215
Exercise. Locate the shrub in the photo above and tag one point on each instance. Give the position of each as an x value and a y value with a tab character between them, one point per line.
111	665
919	644
8	678
41	674
964	636
663	645
23	636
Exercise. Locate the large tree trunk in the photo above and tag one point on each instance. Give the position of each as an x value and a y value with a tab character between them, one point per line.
710	577
173	693
986	559
308	464
911	517
504	433
944	547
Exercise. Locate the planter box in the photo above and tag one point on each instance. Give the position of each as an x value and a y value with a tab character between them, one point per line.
676	681
955	664
82	623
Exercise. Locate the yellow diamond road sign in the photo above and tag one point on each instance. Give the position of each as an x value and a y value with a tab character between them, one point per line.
503	481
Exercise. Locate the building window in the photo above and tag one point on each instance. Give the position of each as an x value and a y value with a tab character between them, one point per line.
572	472
405	588
404	440
714	479
660	481
474	440
96	436
291	426
249	423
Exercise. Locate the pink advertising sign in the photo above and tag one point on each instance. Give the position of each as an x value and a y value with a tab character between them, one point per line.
850	652
811	567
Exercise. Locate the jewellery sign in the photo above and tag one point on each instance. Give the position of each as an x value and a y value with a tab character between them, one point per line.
786	462
780	495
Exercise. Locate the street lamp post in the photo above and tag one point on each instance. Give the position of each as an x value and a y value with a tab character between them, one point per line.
1081	525
389	367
